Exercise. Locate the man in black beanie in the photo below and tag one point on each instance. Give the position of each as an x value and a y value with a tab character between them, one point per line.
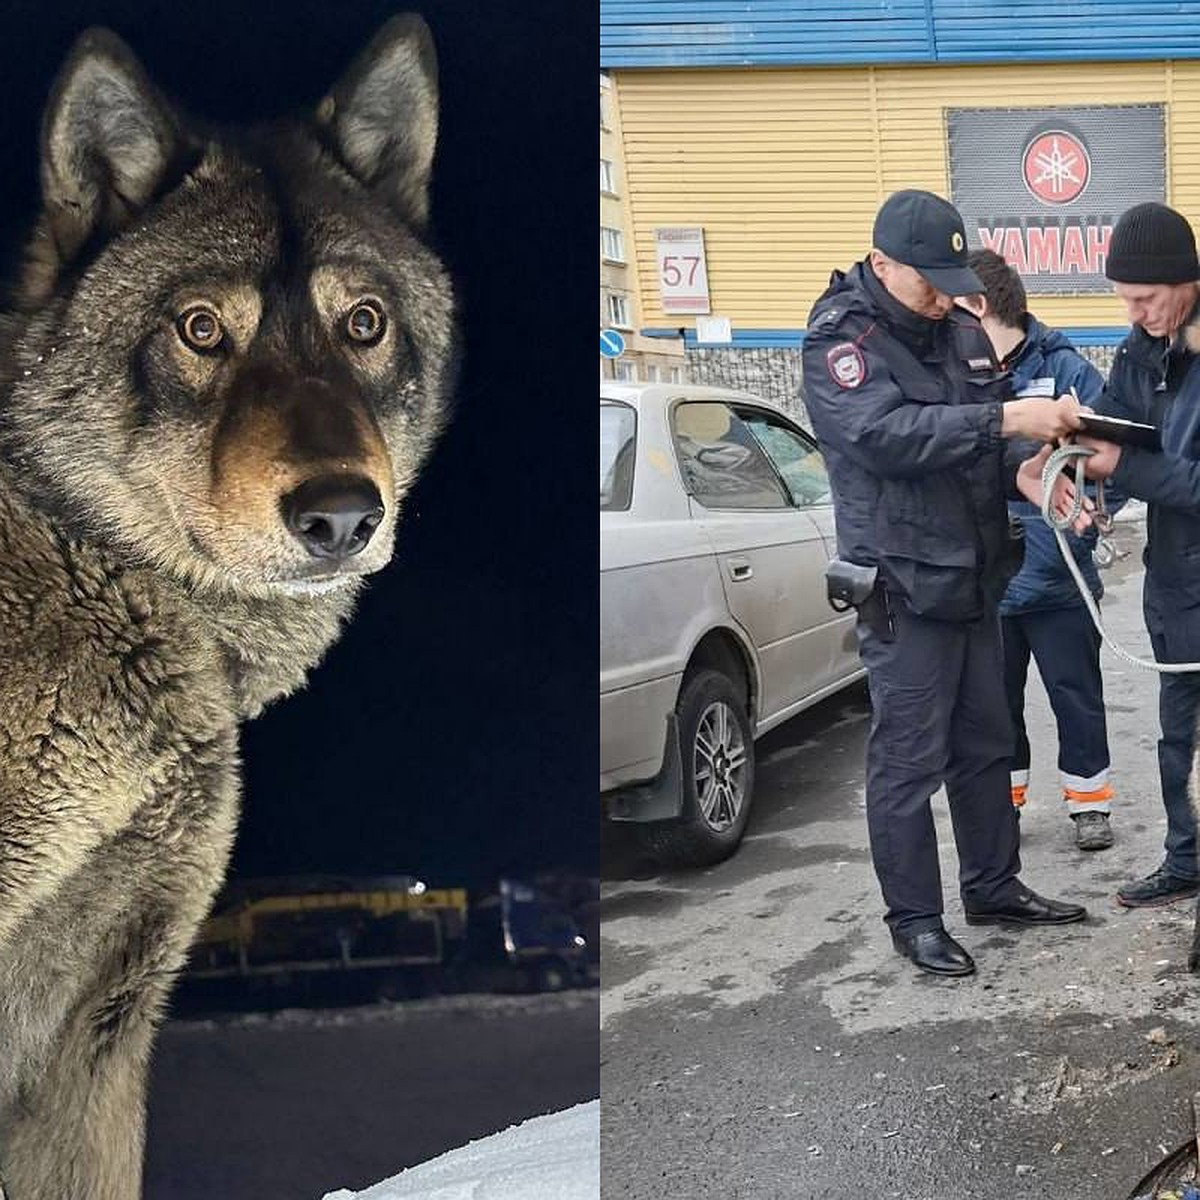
1155	379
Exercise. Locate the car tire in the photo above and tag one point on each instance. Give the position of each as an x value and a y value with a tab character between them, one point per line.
550	975
717	754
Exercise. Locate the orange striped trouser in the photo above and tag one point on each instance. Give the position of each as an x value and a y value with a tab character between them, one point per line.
1081	795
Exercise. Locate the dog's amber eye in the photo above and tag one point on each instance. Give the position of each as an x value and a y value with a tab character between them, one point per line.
366	322
200	328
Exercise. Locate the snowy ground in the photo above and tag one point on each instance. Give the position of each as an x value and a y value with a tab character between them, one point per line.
555	1157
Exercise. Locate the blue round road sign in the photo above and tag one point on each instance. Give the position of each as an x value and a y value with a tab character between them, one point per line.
612	344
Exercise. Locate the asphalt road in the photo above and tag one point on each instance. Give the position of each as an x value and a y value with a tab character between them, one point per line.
292	1105
760	1039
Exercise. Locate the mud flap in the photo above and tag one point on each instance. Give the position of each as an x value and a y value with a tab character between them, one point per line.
659	800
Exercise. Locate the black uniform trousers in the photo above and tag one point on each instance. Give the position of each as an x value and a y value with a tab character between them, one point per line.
939	714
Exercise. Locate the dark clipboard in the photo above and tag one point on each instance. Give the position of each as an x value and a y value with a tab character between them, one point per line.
1124	433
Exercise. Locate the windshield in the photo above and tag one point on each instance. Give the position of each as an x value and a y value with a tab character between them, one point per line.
618	427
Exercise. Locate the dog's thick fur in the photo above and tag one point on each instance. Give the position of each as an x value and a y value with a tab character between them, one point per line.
158	581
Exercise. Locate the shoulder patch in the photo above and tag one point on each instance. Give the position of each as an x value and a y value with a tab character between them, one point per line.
846	365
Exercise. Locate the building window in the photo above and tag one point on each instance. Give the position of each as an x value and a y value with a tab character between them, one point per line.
612	244
623	371
605	120
618	311
608	177
651	373
676	375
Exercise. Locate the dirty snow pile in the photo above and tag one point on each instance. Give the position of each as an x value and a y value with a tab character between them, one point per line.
555	1157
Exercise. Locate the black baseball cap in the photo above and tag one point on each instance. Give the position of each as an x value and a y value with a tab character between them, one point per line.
925	232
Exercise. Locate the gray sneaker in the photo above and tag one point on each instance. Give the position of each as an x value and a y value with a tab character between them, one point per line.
1160	888
1092	830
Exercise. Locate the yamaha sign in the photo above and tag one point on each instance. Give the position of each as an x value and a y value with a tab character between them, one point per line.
1044	186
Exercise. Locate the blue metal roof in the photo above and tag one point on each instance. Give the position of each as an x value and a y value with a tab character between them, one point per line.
722	33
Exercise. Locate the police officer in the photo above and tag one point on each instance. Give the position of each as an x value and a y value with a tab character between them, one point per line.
913	416
1155	379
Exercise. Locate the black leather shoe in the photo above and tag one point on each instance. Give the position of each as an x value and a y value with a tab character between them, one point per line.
1027	908
935	951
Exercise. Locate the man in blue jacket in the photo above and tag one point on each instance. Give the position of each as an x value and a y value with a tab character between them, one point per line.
913	416
1155	379
1042	612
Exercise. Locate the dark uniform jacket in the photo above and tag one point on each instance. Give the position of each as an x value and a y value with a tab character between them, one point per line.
907	412
1159	382
1046	364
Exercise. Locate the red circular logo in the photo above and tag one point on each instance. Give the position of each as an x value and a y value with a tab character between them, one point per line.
1056	167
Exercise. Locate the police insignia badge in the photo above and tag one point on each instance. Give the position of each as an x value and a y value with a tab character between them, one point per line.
847	367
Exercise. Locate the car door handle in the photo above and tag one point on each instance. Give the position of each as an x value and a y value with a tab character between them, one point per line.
740	569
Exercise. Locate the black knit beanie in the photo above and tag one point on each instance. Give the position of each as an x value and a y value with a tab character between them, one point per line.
1152	244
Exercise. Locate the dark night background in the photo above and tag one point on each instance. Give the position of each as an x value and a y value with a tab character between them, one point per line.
451	732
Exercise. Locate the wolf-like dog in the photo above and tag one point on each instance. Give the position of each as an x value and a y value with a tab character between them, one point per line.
227	359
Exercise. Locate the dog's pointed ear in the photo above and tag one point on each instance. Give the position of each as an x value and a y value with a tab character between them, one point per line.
108	141
381	117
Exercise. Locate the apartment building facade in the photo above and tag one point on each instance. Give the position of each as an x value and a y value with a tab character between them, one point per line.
647	359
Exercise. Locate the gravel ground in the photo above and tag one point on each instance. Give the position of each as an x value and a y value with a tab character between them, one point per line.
761	1039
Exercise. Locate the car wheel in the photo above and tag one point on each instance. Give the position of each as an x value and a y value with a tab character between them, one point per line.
549	976
717	753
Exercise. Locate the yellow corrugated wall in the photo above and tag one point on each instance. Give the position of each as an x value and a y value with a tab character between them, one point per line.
784	168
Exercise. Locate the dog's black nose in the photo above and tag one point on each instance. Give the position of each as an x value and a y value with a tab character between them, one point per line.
333	516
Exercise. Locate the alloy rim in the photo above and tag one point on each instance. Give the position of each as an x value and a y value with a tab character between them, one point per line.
720	767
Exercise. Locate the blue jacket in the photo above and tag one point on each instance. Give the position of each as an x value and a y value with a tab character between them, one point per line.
1158	382
907	412
1046	364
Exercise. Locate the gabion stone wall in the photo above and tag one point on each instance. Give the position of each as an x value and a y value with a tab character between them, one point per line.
772	374
776	374
1101	357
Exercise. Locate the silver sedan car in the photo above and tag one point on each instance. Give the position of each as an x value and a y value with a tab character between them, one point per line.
715	528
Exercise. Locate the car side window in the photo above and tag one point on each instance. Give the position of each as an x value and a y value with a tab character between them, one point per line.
618	443
723	464
795	457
